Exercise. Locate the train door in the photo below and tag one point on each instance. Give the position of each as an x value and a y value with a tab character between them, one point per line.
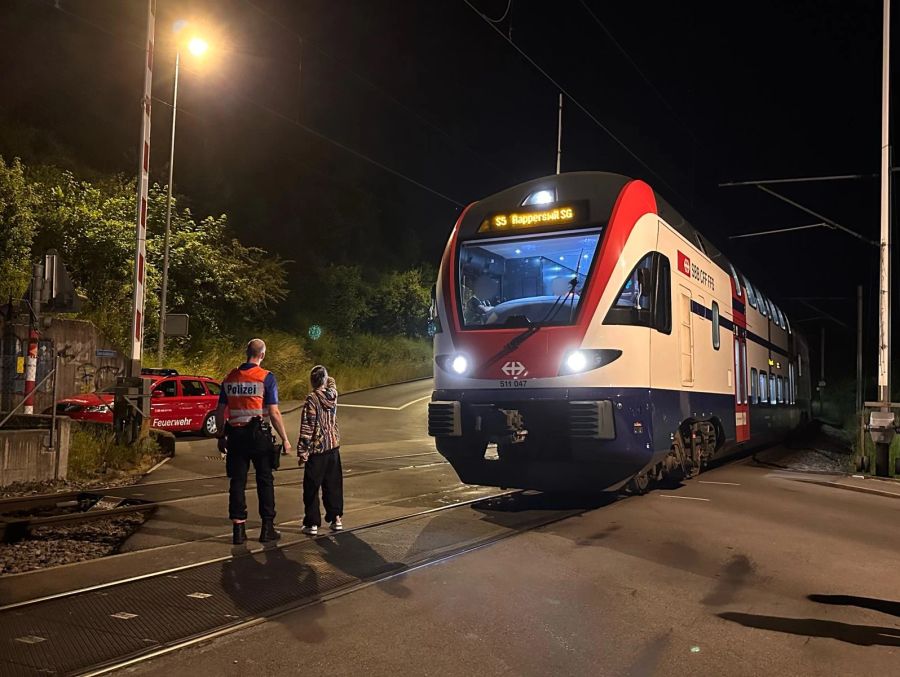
685	336
741	371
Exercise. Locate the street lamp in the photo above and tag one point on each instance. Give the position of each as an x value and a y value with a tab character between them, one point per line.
198	47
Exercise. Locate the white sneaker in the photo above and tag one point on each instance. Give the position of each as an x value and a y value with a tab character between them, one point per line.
337	525
312	531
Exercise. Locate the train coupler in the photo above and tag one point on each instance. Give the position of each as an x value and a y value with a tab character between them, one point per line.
504	426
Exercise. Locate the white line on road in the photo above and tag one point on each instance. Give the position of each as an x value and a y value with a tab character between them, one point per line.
376	406
685	498
730	484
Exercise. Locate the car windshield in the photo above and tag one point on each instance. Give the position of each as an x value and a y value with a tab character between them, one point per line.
516	282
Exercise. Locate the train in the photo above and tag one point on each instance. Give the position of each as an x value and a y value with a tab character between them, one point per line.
587	337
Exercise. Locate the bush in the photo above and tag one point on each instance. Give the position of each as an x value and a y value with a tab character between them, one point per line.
93	451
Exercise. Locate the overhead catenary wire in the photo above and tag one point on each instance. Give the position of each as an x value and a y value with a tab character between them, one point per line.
637	68
505	13
287	119
305	39
571	98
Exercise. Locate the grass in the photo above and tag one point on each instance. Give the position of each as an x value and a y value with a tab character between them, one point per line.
355	362
93	452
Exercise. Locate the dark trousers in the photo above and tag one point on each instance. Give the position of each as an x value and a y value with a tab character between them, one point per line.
323	470
244	449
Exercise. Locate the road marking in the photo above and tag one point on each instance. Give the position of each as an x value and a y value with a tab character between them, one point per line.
31	639
124	615
377	406
685	498
730	484
162	462
200	595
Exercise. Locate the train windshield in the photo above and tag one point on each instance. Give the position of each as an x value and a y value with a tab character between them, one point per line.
518	282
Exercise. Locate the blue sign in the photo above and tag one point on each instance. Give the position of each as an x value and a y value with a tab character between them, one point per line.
105	353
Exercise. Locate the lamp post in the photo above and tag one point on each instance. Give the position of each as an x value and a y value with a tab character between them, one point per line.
197	47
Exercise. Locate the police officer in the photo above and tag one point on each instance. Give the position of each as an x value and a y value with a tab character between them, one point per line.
250	395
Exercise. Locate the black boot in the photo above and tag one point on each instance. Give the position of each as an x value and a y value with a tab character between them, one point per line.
238	533
268	533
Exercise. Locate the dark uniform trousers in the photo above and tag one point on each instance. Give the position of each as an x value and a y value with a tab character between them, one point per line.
323	470
250	444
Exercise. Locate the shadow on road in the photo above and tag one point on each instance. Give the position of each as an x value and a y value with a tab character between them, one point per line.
350	554
862	635
882	605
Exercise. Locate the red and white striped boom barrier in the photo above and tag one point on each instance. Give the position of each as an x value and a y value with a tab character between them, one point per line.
143	181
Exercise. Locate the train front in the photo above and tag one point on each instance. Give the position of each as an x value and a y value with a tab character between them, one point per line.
530	390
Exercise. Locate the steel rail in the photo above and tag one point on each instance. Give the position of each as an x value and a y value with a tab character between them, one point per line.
290	607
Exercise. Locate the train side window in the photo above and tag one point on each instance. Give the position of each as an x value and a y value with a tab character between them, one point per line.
799	365
646	297
773	389
716	336
762	303
744	371
753	385
763	387
751	295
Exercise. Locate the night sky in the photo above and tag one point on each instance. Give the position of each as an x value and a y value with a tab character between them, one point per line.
432	91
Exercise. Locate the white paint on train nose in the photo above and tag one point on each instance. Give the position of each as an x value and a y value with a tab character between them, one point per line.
513	368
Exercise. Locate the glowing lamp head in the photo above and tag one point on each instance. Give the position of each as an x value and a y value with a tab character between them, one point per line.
459	364
540	197
576	361
198	46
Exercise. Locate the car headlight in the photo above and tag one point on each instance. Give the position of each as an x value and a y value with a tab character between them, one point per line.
97	409
586	359
459	364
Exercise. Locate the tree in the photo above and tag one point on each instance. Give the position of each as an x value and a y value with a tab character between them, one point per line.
400	303
17	229
214	278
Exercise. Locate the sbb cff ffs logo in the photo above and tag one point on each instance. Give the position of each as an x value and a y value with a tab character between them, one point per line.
513	369
684	264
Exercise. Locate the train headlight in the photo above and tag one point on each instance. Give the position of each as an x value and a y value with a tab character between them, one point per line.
576	361
586	359
459	364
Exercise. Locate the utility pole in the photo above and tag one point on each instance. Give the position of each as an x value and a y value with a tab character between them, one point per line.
882	423
859	348
165	278
559	136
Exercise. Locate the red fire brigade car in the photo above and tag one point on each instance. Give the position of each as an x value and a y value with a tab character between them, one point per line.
178	403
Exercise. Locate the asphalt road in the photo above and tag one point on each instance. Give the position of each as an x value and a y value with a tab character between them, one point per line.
746	571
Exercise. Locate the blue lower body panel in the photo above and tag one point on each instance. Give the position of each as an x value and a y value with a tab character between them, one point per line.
554	456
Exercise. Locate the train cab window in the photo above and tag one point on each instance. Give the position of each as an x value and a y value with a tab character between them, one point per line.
763	387
716	337
751	295
525	281
753	385
646	298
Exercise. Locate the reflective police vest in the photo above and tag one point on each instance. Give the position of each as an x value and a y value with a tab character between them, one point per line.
244	389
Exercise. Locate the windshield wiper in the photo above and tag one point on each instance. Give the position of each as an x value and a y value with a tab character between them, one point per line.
533	328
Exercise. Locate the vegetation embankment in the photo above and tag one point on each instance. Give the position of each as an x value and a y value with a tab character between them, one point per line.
365	321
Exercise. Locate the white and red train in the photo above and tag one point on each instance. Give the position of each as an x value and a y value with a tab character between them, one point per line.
594	336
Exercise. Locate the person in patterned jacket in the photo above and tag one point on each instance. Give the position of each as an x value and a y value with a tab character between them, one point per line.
318	449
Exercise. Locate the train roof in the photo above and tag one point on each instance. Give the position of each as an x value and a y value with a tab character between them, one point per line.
602	189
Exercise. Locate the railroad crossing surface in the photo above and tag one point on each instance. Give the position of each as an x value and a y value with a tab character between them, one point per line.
746	570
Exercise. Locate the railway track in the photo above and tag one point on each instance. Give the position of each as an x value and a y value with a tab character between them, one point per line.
18	515
104	628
